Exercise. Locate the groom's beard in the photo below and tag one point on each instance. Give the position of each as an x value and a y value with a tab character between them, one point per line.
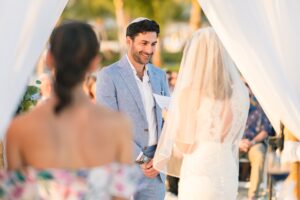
141	57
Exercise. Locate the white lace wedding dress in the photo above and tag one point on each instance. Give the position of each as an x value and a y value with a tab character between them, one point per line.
205	122
211	171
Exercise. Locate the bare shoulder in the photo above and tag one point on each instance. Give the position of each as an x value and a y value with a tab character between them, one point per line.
112	118
117	131
18	127
25	123
115	123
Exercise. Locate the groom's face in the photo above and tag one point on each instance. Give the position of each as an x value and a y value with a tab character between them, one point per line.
142	47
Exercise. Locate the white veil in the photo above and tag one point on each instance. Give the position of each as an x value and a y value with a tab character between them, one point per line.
209	103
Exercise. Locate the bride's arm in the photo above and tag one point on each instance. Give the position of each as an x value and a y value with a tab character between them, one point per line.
236	143
186	121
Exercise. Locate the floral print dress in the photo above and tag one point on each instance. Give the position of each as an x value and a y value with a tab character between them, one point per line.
91	183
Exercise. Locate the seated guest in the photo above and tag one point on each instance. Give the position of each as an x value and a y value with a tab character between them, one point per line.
254	145
68	147
172	78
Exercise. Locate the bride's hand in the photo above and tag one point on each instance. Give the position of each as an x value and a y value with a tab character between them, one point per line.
244	145
149	170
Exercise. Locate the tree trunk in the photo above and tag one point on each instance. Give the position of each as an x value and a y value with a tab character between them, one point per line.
295	169
156	59
195	16
120	16
296	176
1	155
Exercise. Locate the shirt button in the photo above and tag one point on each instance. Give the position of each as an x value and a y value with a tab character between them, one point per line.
146	130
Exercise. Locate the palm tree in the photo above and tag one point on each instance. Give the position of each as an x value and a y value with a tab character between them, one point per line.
195	16
121	22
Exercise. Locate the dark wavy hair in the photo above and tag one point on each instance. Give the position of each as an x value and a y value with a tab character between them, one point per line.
141	27
73	46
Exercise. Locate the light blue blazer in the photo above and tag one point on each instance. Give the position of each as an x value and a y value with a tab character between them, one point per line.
117	88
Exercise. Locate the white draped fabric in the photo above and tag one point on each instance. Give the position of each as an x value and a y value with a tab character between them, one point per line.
24	29
262	36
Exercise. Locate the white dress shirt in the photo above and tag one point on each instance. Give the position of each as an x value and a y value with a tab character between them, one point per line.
148	101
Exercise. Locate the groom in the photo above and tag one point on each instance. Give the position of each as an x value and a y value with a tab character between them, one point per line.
128	86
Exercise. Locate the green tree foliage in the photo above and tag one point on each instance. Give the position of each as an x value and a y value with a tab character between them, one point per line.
88	9
160	10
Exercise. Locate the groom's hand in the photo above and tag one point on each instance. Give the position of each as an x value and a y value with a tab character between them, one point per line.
148	169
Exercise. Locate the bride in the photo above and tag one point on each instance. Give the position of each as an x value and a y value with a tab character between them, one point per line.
205	123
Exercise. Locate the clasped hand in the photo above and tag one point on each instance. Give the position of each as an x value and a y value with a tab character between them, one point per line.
149	170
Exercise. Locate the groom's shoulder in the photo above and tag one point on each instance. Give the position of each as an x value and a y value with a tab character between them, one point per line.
119	64
110	68
156	69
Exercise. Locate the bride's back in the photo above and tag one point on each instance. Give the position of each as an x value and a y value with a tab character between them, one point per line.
222	121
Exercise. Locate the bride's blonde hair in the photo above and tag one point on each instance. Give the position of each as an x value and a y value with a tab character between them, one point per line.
213	78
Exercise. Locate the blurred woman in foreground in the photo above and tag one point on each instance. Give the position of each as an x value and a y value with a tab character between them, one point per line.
68	147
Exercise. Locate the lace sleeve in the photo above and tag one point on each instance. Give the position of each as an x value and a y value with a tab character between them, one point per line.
124	180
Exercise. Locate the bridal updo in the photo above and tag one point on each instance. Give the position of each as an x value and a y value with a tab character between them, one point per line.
73	46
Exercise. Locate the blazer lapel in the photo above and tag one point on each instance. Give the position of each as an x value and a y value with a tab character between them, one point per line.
129	79
154	80
156	89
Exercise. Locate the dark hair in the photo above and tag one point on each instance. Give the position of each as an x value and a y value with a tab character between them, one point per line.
141	27
73	46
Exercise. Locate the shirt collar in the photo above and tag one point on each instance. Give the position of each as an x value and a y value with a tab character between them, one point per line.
134	70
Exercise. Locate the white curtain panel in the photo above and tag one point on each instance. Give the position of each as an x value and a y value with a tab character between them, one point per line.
262	37
24	30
